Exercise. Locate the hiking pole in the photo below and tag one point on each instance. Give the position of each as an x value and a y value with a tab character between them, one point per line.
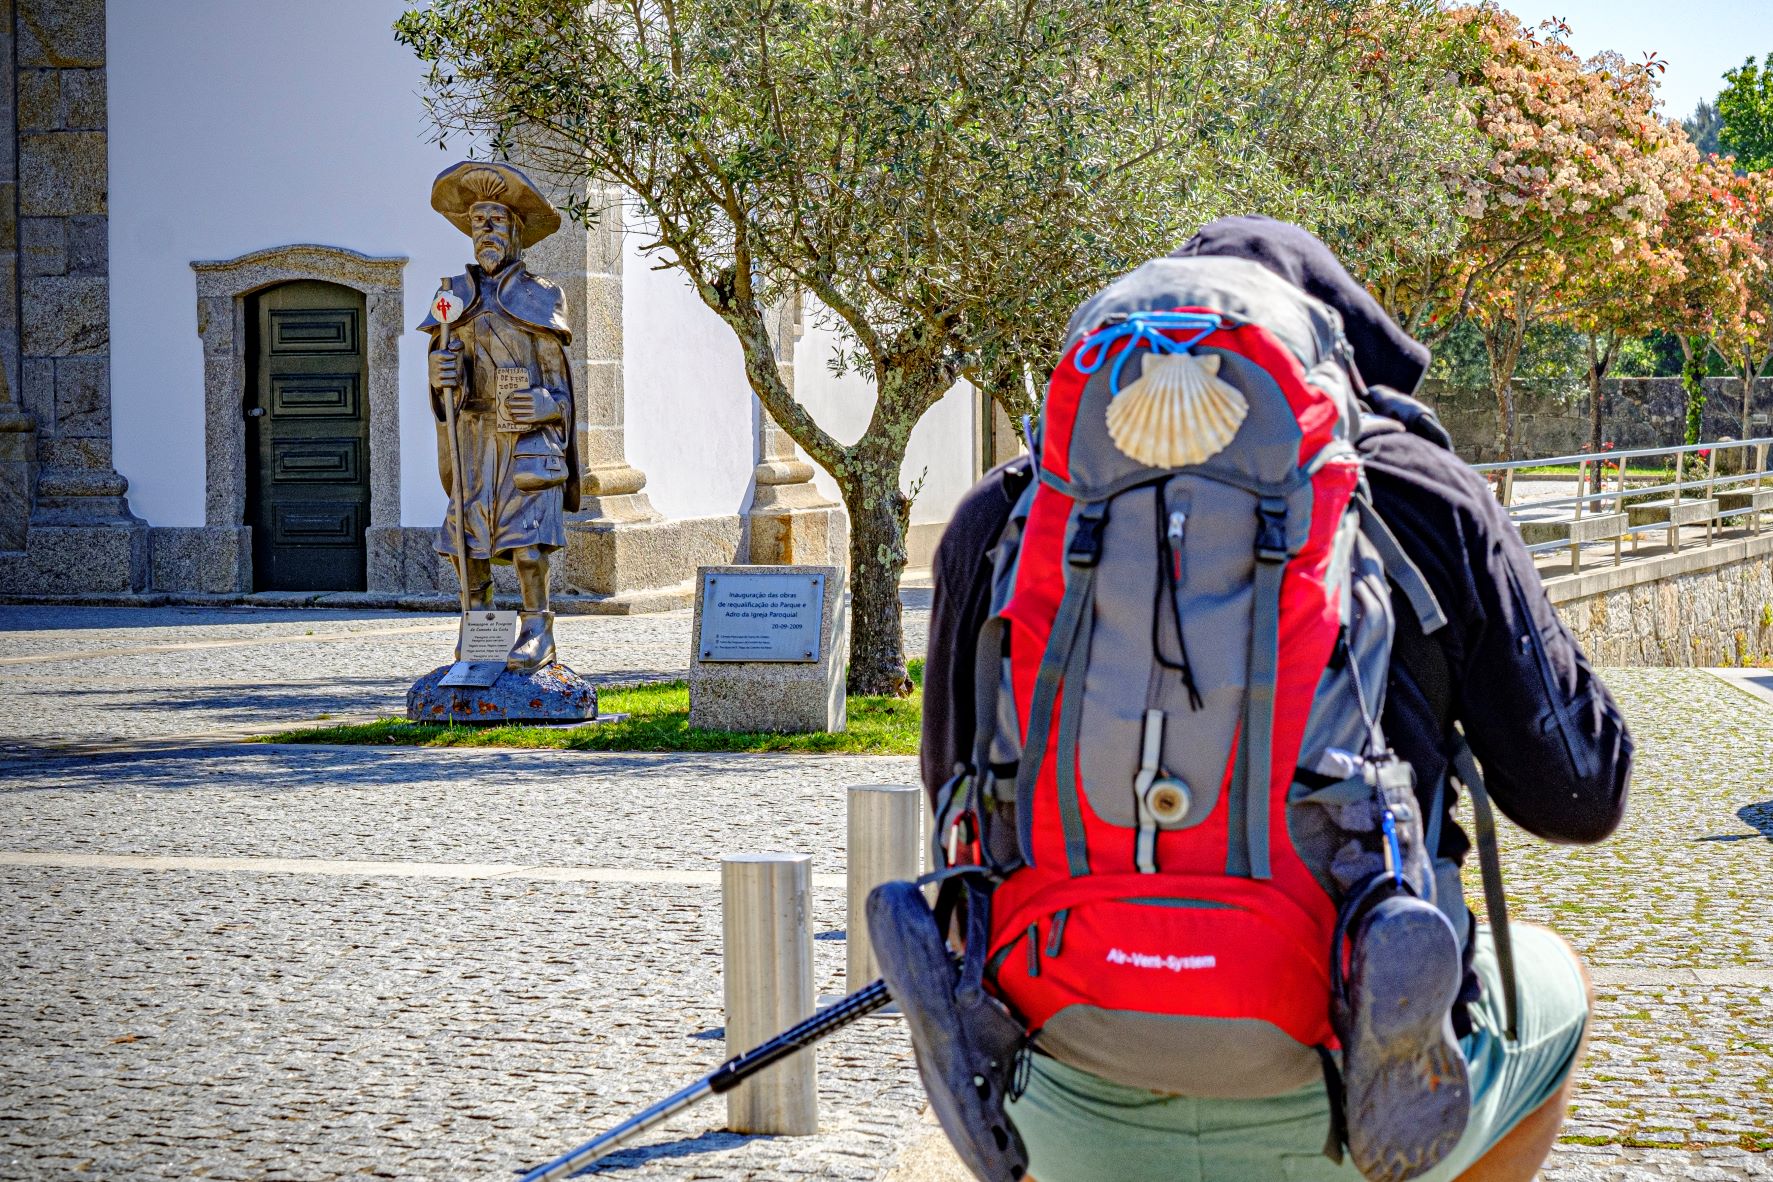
724	1078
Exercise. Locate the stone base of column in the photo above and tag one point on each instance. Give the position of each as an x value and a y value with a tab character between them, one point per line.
81	538
78	560
813	536
791	523
206	559
18	477
642	566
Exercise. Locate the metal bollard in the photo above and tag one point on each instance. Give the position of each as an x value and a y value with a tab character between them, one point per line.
885	839
766	917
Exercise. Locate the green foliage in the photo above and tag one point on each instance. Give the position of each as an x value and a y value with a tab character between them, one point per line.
1693	382
949	178
1639	358
1703	126
658	721
1553	356
1745	115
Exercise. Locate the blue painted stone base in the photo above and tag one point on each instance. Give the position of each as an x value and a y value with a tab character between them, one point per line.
552	693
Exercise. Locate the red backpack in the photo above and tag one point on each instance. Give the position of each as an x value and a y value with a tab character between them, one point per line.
1179	774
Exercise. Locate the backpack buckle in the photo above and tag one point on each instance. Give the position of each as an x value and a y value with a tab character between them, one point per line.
1271	529
1085	549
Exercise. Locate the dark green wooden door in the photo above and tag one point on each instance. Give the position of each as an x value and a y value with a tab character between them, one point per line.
307	412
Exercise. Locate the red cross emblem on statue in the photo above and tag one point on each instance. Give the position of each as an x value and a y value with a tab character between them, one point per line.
447	307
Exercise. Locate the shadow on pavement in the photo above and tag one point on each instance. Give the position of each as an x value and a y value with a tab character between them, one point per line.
23	618
274	768
710	1142
1759	816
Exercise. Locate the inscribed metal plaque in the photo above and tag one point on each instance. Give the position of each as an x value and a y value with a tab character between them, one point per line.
762	617
488	635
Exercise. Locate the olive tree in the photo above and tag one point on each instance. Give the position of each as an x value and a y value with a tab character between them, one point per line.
948	178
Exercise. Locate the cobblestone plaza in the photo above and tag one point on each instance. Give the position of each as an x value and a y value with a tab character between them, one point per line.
246	961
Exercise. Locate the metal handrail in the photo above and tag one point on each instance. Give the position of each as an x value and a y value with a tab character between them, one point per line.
1613	500
1633	453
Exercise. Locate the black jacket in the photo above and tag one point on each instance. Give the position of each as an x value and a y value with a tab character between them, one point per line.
1554	746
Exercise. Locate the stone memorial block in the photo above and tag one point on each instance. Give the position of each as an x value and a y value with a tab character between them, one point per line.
770	648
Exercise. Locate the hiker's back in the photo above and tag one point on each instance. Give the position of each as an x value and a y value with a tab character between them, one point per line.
1190	632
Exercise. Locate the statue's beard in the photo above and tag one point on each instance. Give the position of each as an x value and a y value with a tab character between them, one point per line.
492	253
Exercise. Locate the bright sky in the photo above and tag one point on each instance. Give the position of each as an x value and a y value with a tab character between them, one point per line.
1699	39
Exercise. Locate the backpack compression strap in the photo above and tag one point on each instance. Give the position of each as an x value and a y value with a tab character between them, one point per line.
1247	806
1495	902
1082	554
1401	569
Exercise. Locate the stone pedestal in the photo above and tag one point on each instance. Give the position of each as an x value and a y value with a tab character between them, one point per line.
552	693
790	521
787	697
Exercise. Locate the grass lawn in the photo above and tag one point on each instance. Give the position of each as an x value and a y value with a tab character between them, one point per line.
658	721
1632	471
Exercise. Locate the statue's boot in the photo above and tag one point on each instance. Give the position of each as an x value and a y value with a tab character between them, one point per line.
535	643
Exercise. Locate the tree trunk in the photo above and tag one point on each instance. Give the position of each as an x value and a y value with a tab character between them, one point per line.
1600	360
1693	383
1502	345
880	518
1748	392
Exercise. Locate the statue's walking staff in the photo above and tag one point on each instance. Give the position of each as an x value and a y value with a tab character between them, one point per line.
447	308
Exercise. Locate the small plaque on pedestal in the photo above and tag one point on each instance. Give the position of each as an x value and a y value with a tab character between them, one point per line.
484	641
762	616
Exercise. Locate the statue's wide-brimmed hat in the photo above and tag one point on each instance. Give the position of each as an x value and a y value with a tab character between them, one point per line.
460	187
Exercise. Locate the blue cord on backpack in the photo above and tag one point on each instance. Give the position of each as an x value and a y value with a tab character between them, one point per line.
1394	854
1143	328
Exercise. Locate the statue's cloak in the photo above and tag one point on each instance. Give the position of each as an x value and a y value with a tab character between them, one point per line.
540	307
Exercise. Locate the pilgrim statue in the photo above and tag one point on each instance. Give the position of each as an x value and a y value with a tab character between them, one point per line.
503	362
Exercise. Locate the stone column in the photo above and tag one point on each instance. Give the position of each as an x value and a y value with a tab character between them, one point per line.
586	263
790	521
18	438
82	536
621	555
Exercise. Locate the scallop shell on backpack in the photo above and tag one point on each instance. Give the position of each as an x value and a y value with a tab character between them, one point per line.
1178	412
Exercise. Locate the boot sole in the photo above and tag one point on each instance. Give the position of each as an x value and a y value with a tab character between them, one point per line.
1408	1093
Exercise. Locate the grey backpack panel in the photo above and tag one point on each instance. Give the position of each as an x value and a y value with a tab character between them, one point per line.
1235	287
1224	1058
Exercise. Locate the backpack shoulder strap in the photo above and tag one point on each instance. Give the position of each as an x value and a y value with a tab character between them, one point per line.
1400	568
1465	766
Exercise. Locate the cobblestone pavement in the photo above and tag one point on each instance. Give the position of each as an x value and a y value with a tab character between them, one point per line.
447	1006
106	674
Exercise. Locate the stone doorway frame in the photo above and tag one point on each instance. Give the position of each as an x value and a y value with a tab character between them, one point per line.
223	288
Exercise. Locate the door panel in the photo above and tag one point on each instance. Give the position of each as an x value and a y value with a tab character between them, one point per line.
308	438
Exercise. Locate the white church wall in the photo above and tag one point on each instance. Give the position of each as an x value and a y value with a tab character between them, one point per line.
941	447
225	139
239	127
689	407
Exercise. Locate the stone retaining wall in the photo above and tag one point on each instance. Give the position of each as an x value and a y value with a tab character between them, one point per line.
1706	607
1639	412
